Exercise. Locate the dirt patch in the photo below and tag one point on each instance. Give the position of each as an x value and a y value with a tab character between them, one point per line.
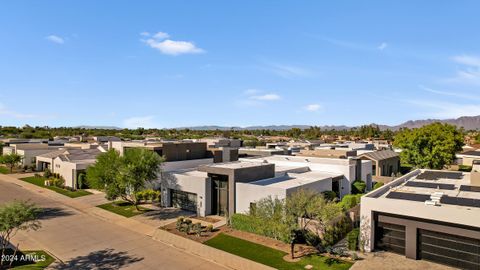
206	219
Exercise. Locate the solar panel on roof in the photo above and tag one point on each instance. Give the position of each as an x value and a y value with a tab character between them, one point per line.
460	201
435	175
430	185
469	188
408	196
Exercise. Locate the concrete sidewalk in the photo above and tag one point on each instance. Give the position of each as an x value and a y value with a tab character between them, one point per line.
87	206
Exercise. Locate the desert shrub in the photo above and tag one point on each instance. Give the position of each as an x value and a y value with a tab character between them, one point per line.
81	181
209	228
197	228
37	175
377	185
352	239
329	195
464	168
58	182
349	201
140	196
358	187
47	173
269	228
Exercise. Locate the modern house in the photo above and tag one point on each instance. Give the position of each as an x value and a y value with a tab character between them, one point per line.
384	162
69	163
467	157
232	187
425	215
329	153
28	151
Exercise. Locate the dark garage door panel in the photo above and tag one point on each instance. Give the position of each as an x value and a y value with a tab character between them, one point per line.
183	200
452	250
390	237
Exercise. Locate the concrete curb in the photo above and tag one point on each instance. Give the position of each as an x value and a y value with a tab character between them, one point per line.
189	246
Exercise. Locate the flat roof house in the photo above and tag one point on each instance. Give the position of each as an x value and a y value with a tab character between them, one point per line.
29	151
426	214
468	157
227	188
69	163
384	162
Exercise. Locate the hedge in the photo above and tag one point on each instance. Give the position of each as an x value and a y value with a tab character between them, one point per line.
358	187
252	224
377	185
349	201
352	239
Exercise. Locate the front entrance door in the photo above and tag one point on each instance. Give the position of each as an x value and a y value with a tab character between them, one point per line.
219	195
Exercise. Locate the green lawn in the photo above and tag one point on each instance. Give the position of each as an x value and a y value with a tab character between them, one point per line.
272	257
42	259
4	170
122	208
40	181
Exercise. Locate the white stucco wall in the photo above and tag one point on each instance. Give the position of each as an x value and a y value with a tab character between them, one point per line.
192	182
67	170
30	154
247	193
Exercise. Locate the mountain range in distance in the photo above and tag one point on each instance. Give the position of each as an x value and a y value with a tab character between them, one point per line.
466	122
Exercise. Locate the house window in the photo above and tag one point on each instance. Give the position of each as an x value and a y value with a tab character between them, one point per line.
374	169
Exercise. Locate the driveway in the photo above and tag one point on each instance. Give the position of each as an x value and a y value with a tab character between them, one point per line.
82	241
387	260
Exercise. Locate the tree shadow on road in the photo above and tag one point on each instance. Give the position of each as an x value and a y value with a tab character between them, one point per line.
53	212
106	259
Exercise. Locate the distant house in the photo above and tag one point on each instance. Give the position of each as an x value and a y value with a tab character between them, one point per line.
69	163
28	151
466	158
384	162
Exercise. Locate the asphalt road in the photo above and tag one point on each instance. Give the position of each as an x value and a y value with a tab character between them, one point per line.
82	241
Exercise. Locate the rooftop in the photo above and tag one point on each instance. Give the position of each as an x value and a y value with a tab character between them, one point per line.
380	155
291	180
453	188
237	165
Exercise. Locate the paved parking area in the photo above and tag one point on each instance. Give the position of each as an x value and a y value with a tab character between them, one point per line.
387	260
83	241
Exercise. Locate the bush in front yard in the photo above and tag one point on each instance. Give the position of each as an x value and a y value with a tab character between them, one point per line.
269	228
352	239
349	201
377	185
358	187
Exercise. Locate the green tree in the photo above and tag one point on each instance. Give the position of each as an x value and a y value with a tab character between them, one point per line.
123	176
16	216
11	160
432	146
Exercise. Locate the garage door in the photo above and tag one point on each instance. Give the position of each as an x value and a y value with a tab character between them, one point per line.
390	237
453	250
183	200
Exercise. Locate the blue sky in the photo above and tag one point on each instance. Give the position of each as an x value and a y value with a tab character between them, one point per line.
185	63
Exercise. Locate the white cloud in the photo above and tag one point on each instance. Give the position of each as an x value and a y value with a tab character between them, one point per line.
161	35
382	46
140	121
145	34
55	39
443	110
9	113
313	107
288	71
160	41
450	93
467	60
251	91
266	97
469	73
